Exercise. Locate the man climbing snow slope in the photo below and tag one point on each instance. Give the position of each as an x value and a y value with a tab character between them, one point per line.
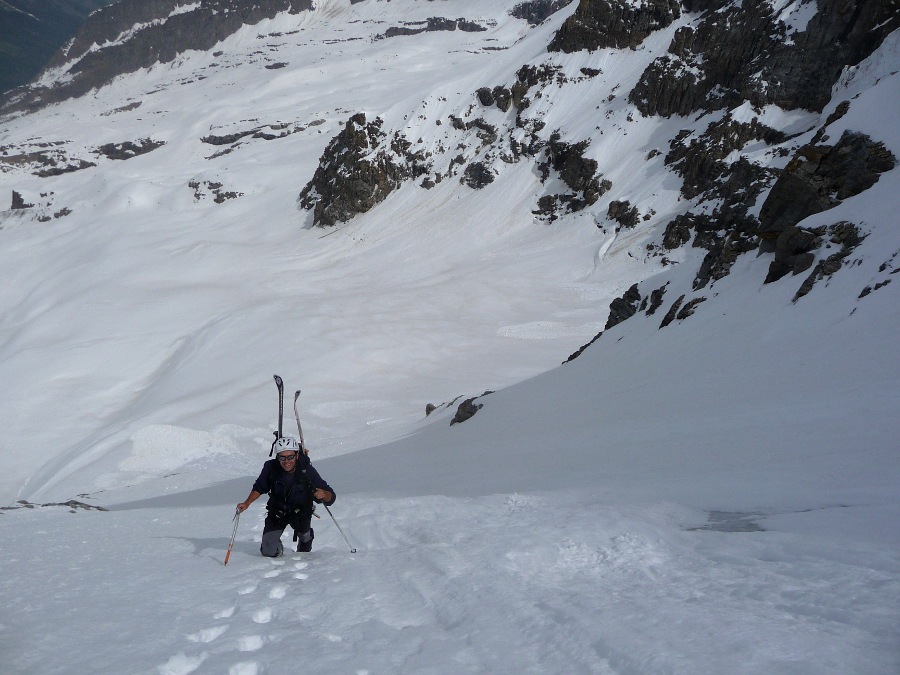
292	484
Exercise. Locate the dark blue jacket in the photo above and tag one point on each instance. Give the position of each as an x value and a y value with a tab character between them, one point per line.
295	489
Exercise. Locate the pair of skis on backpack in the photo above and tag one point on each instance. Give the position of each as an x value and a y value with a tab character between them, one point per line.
278	434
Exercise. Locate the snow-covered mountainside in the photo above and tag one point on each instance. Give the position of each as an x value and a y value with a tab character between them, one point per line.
32	30
396	204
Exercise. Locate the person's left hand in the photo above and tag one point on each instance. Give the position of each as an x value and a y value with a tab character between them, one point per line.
323	495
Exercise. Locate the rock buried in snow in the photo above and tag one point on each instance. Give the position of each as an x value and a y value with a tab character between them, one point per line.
72	504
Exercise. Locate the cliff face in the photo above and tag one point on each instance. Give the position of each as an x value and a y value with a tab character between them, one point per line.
158	31
32	30
746	51
613	23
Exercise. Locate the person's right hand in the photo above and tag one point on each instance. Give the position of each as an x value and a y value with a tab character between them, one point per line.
243	506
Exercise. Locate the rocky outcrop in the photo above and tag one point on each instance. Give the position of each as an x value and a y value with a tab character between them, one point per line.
623	213
129	149
73	505
844	234
623	308
579	173
598	24
801	72
228	139
689	308
204	189
706	163
499	95
477	175
358	170
744	51
819	177
709	62
537	11
529	76
725	234
885	269
629	304
485	132
793	253
673	312
157	36
432	25
18	202
53	161
701	160
467	409
266	132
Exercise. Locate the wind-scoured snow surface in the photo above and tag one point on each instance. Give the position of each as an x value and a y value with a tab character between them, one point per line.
718	496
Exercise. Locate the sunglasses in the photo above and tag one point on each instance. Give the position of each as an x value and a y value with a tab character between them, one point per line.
287	458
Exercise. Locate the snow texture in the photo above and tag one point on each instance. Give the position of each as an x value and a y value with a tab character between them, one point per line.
718	496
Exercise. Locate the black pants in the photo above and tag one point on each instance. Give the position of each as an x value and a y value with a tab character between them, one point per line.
277	519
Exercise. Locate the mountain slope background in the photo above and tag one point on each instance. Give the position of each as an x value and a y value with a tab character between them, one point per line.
391	207
32	30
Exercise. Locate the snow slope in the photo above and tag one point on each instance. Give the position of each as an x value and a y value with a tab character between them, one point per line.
156	289
716	496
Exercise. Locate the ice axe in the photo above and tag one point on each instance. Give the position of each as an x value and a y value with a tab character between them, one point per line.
236	519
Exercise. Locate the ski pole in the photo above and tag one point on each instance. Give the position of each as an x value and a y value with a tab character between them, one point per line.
303	449
236	519
352	550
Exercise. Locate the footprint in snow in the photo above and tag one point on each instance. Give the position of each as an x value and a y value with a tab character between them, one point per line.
301	575
208	634
271	574
247	589
251	643
244	668
225	613
181	664
262	615
278	592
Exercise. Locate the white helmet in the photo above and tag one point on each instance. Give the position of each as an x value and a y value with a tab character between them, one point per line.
286	443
